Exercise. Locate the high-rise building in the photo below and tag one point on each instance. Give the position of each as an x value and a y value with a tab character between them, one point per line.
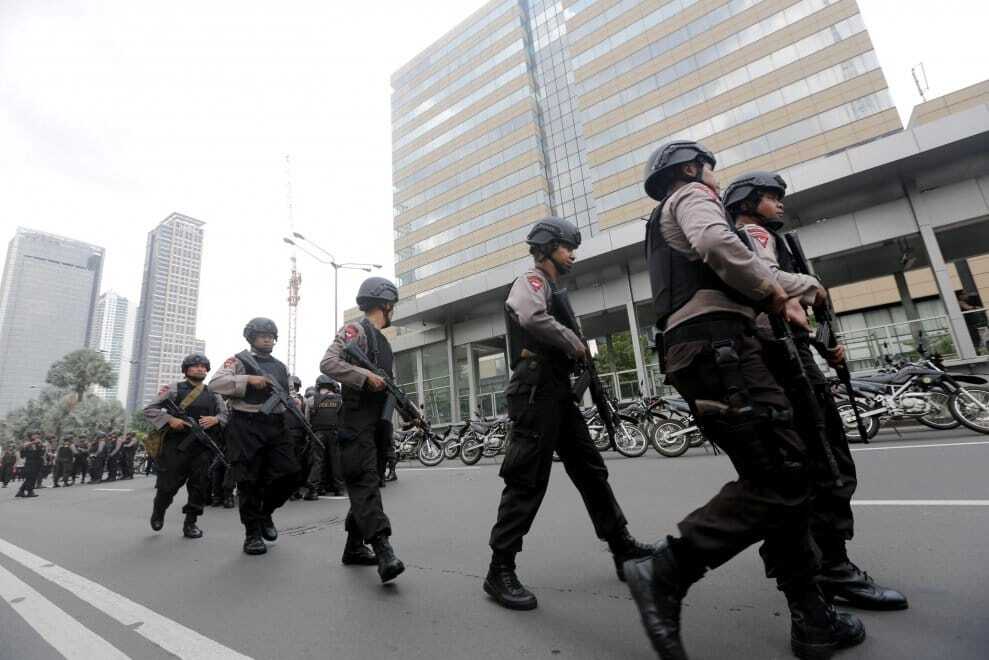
165	325
532	107
108	336
49	288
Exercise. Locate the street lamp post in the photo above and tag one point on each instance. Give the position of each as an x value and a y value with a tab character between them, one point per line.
301	241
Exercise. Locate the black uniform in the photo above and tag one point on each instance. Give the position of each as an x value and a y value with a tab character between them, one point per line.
7	462
80	465
64	460
34	456
324	417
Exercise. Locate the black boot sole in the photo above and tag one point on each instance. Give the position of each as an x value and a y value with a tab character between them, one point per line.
640	584
521	606
258	551
808	651
861	603
196	535
358	560
391	571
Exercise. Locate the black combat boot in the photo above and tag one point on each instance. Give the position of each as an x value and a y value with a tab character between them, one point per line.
311	495
189	528
355	553
253	543
847	583
391	475
268	530
658	585
816	629
503	584
624	547
157	518
228	502
389	566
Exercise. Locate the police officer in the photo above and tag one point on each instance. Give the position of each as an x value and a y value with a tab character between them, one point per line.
706	286
7	462
545	418
184	459
127	460
115	444
261	452
64	458
324	417
304	447
362	422
98	454
33	453
80	465
755	203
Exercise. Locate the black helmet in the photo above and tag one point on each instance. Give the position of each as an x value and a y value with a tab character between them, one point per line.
193	359
325	381
554	230
376	291
258	326
310	391
296	383
667	156
745	185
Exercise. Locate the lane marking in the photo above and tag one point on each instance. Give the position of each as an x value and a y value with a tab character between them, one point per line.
920	502
334	497
114	490
925	446
69	637
417	469
169	635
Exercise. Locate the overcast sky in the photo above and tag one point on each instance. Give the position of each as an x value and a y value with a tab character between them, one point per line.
114	114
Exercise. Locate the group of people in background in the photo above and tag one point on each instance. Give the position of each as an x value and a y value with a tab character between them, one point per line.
101	457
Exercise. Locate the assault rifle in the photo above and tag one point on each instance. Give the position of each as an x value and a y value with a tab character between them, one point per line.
196	432
826	338
408	410
588	376
279	395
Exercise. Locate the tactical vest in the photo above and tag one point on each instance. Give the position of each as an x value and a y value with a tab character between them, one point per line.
379	352
674	277
203	406
325	410
518	338
271	367
783	256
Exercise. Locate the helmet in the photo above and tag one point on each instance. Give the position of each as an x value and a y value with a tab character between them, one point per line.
376	291
553	229
193	359
309	391
669	155
325	381
259	325
745	185
296	383
100	435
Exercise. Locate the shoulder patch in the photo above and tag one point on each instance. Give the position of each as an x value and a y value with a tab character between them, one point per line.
759	234
229	362
165	389
351	332
535	283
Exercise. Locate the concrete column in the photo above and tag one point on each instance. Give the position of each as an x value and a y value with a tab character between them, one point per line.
908	306
956	322
452	366
471	381
420	387
640	363
966	278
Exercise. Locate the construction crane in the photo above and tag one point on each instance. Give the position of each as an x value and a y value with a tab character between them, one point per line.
295	278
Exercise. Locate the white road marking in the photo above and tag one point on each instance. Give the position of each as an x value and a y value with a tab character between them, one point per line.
69	637
169	635
934	444
415	469
920	502
333	497
115	490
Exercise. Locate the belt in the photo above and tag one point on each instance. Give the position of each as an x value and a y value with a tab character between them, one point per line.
711	327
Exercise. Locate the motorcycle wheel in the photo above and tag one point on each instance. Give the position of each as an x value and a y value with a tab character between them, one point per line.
942	418
630	441
847	415
973	414
430	452
696	439
669	448
471	449
601	441
451	449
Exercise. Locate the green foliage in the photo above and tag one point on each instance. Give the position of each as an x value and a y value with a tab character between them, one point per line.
138	424
93	414
615	353
79	370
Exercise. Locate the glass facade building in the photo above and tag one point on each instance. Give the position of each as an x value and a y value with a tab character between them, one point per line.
108	337
47	296
165	326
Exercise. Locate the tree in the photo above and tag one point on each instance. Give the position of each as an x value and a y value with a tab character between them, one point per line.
79	370
94	414
138	423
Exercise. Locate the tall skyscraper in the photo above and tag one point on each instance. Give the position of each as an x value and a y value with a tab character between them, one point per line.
531	107
49	289
165	326
109	330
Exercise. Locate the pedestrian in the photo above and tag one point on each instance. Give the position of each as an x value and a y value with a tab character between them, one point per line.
755	203
543	354
64	460
184	459
7	462
33	453
706	286
324	416
80	464
127	459
262	456
362	420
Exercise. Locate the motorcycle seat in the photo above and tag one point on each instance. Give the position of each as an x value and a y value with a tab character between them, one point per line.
676	403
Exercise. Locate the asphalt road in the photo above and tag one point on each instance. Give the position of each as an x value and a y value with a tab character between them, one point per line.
83	576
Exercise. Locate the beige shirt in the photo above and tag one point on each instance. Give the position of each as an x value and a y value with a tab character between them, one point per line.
336	366
528	301
795	284
230	381
693	221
